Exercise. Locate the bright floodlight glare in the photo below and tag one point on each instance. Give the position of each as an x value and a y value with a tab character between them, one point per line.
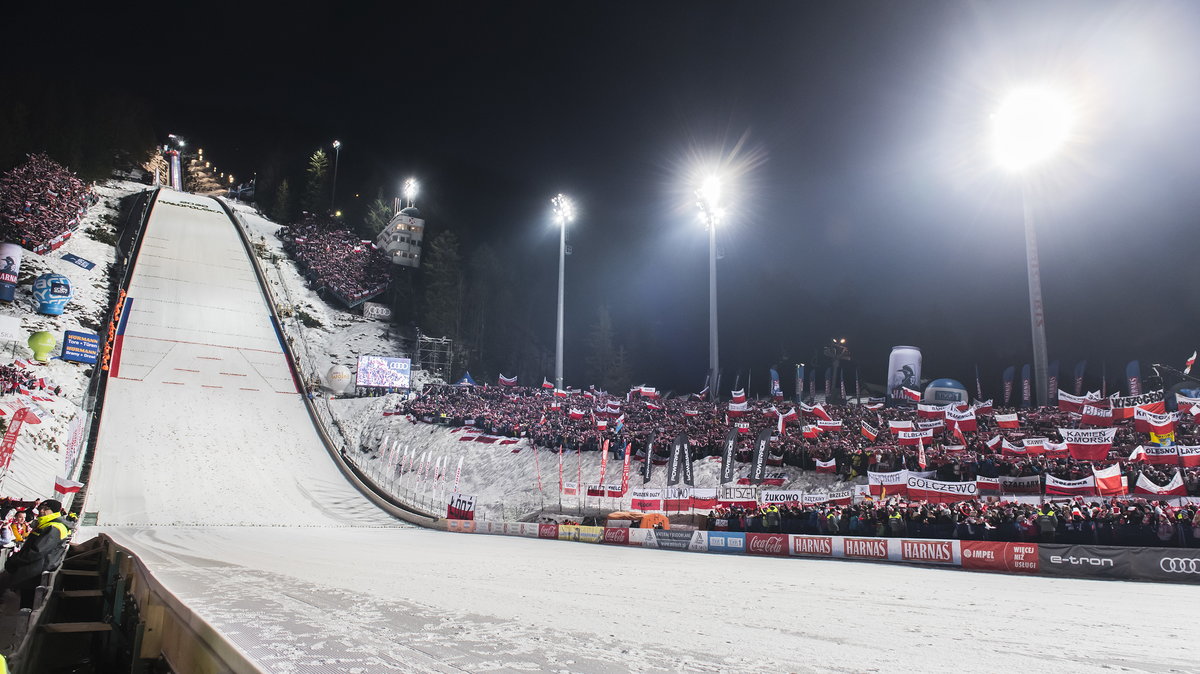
337	144
410	189
564	210
710	191
1030	126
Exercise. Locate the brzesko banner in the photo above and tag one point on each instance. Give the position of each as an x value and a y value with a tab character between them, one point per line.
1085	444
934	491
891	484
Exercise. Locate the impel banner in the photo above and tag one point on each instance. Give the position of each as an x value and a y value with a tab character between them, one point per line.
1010	557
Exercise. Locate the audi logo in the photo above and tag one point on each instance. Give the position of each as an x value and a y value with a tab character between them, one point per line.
1179	565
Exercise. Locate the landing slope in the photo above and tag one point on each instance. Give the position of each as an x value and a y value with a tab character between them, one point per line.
202	422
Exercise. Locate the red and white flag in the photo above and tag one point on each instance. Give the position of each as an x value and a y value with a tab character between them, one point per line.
910	394
64	486
508	381
819	412
1070	403
1081	487
921	454
546	383
1096	416
984	407
994	443
1175	487
829	426
1088	444
829	466
1162	456
1138	454
931	411
738	396
1008	420
738	409
869	432
1148	422
1187	367
1189	455
897	426
964	421
575	414
911	438
1109	481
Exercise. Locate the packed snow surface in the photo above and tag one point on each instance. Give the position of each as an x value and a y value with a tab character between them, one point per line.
291	564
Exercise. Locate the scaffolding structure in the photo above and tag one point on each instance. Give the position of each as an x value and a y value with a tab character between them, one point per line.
435	355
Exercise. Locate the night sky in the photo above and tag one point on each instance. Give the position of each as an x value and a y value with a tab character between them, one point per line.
867	203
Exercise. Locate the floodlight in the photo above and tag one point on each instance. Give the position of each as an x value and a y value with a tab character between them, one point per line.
1030	126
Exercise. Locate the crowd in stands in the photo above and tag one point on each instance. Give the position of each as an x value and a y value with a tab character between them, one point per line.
334	260
1109	521
651	424
18	380
41	201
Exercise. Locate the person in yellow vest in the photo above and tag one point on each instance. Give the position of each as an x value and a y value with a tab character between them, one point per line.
43	550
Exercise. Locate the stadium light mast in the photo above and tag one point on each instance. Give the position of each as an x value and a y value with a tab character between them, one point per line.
410	190
708	199
1030	127
564	213
337	153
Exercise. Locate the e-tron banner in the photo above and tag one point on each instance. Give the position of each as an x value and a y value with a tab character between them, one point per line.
1090	561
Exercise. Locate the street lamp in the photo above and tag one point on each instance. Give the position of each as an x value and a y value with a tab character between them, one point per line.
410	190
1030	126
564	213
708	199
337	153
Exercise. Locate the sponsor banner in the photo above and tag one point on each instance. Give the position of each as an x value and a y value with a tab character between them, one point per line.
865	548
78	261
699	542
460	526
1090	561
1173	565
929	551
779	497
523	529
669	539
80	347
720	541
934	491
376	311
812	546
637	537
1009	557
548	531
767	544
580	534
744	496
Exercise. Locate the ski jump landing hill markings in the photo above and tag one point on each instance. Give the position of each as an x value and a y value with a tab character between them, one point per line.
194	430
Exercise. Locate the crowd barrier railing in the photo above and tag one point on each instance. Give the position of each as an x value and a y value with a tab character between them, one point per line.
1076	561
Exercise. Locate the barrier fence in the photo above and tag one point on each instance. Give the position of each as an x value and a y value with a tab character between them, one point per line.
1076	561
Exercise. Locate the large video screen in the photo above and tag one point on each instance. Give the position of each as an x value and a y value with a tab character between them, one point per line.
383	372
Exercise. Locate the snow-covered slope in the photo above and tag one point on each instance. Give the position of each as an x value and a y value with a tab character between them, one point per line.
203	423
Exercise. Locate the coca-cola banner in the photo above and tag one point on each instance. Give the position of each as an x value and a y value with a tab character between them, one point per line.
548	531
1010	557
767	544
615	536
934	491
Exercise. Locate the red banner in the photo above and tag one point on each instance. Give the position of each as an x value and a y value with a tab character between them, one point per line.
927	552
1162	456
767	544
934	491
9	444
1096	416
1083	487
1189	455
1010	557
914	437
1088	444
615	536
1007	421
812	546
548	531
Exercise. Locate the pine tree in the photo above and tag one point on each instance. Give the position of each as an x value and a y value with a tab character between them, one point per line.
620	372
444	287
283	203
316	193
600	349
379	214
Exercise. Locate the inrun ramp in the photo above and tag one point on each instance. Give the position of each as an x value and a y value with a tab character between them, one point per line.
203	426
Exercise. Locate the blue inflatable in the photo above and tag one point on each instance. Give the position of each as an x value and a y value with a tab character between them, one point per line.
52	292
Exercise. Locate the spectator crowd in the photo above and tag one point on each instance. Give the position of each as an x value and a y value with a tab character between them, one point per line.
334	260
41	202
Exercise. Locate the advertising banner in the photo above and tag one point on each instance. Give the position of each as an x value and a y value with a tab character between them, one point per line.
1091	561
727	466
580	534
865	548
548	531
615	536
383	372
80	347
10	269
1010	557
811	546
10	329
376	311
767	544
668	539
1172	565
1020	485
78	261
720	541
904	371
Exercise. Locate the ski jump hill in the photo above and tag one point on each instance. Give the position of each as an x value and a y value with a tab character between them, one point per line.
209	472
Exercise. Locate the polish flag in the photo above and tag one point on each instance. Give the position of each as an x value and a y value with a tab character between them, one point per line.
1096	416
931	411
869	432
1057	450
1187	367
649	392
653	406
791	416
1173	488
560	394
897	426
738	396
575	414
819	412
1085	444
984	407
1109	481
910	394
1008	421
1138	454
1070	403
830	425
1162	456
1009	449
810	432
691	413
921	454
994	443
1148	422
64	486
829	466
508	381
546	383
914	437
738	409
963	421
